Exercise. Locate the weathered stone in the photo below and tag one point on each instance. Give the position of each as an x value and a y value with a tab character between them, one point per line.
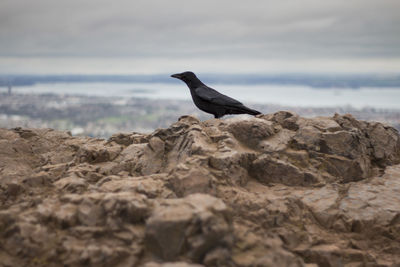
171	264
385	142
193	226
72	184
191	181
341	143
308	138
373	205
37	179
66	215
270	170
96	152
278	142
322	203
275	190
323	124
323	255
128	139
233	164
251	132
152	186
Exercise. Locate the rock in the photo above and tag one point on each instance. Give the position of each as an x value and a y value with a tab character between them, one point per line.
385	141
71	184
152	186
186	181
278	142
322	204
307	138
271	190
267	170
96	152
251	132
128	139
66	216
12	190
171	264
192	226
374	205
323	255
38	179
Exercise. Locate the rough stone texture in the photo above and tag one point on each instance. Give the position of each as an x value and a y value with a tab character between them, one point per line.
195	225
275	190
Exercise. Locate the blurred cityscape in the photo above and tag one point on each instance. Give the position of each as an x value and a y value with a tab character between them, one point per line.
104	116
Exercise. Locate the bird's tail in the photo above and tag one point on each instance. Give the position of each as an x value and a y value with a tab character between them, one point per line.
252	111
245	110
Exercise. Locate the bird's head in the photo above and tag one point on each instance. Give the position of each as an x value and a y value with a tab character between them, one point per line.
186	76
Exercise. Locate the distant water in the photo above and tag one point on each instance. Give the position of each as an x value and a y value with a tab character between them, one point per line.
386	98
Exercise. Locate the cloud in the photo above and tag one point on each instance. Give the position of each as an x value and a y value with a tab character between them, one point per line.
182	29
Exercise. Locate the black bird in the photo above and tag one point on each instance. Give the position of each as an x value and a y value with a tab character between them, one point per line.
210	100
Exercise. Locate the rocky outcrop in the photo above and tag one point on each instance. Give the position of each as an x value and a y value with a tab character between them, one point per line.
275	190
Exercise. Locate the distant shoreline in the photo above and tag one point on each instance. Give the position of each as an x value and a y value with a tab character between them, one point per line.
320	81
283	95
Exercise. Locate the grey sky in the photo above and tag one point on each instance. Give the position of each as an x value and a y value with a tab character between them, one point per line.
208	34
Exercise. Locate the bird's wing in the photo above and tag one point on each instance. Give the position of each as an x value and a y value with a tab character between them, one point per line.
210	95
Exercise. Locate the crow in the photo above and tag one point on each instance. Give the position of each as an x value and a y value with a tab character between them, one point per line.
210	100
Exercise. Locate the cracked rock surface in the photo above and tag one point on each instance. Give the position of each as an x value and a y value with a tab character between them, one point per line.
273	190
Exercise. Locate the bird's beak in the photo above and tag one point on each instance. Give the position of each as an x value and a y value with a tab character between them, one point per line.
178	76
